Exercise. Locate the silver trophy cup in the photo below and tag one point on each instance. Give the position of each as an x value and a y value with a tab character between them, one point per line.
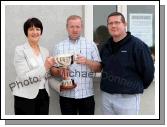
64	61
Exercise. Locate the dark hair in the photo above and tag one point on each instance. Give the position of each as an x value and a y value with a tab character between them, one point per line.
101	34
116	14
32	22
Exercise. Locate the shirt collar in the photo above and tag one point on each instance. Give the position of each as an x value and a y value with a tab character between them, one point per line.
76	41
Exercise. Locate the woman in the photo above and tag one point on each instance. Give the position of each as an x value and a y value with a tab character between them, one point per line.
32	62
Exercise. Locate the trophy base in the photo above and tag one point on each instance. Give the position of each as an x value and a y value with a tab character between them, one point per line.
68	84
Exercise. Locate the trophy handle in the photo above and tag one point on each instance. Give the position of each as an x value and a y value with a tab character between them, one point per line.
72	59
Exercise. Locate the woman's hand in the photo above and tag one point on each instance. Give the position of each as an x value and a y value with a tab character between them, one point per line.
49	62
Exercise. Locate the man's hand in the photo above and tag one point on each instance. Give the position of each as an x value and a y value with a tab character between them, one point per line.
64	73
68	87
93	65
81	59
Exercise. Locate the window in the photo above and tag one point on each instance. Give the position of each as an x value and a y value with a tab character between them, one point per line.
100	14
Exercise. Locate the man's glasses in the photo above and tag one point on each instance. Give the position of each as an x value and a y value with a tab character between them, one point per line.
114	23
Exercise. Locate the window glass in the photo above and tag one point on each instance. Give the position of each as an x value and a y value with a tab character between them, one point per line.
100	14
143	16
